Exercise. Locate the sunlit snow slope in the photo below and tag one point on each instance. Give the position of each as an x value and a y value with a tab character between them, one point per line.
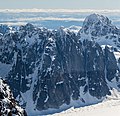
109	107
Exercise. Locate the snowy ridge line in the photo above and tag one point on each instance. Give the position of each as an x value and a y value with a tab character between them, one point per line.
60	10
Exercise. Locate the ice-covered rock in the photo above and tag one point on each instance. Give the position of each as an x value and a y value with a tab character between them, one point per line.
8	105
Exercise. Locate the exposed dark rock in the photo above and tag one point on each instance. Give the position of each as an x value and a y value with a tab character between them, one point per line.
8	105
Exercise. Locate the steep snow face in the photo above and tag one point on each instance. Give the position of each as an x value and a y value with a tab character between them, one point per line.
8	105
57	69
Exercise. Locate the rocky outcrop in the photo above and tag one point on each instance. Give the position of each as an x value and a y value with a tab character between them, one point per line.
8	105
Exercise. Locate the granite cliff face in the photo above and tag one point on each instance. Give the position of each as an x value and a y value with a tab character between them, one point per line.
46	69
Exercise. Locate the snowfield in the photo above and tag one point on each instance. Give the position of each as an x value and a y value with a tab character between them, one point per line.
109	107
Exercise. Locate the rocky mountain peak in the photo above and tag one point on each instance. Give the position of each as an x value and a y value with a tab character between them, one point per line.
95	18
27	27
97	25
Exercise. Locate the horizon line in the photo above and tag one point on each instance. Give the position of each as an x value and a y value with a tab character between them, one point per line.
58	10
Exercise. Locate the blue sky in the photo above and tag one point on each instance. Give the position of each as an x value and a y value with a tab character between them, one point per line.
65	4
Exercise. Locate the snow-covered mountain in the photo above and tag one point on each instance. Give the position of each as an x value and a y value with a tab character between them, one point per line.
52	70
8	105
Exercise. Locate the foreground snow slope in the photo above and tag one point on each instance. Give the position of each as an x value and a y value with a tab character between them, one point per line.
109	107
95	110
